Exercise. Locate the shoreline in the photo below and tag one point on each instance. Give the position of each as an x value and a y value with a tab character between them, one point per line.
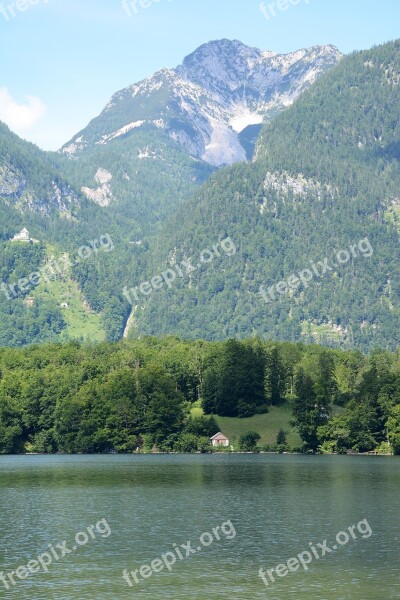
143	453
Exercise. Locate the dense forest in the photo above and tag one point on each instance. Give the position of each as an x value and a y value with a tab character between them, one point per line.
326	175
34	193
140	395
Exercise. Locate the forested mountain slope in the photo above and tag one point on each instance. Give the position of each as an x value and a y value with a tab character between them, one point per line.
120	179
35	193
324	185
320	198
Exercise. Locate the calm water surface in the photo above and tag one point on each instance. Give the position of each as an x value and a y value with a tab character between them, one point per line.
277	504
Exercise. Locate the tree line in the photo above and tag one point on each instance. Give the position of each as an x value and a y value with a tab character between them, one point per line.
143	395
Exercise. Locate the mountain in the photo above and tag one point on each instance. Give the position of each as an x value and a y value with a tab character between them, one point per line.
137	180
323	193
30	181
208	101
157	141
79	298
226	243
121	192
134	171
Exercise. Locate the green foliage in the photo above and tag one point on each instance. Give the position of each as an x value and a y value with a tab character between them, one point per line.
233	385
281	445
21	325
20	322
281	438
393	426
248	441
274	376
310	411
202	427
189	443
137	395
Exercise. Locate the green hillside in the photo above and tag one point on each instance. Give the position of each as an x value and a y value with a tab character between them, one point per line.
48	306
64	204
323	188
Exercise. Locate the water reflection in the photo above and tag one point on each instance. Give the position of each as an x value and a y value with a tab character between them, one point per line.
278	505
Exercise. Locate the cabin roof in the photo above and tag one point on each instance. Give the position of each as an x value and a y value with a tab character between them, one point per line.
219	436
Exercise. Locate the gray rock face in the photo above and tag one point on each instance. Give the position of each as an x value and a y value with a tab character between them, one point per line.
205	104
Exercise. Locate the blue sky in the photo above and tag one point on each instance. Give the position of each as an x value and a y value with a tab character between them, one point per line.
61	60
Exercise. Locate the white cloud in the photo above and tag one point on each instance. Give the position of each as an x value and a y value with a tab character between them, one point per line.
20	117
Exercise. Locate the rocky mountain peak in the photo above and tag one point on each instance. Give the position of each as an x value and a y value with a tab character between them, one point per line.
219	90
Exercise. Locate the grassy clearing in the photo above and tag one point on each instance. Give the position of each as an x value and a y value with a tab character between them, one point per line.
267	425
81	321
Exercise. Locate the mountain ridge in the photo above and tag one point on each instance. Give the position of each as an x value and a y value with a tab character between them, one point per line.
325	177
219	89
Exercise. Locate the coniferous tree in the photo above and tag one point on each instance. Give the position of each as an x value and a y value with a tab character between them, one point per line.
274	377
310	411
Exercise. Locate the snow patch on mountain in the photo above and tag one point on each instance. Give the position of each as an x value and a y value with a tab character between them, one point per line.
243	117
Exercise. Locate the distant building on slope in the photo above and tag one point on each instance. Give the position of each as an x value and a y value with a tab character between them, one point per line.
29	301
23	236
219	439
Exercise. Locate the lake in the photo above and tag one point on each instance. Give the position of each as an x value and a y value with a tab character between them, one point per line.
240	513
